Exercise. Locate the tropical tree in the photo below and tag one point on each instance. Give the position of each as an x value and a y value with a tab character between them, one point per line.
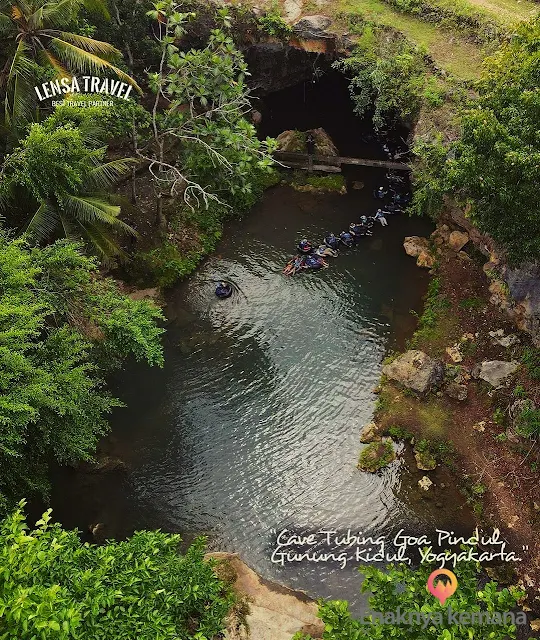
202	148
61	328
53	587
37	45
62	179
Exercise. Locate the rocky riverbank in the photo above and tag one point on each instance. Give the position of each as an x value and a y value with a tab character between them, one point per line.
465	394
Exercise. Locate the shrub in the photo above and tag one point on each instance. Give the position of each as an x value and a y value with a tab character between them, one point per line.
54	587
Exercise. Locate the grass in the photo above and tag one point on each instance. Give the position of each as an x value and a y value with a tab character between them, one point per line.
437	328
399	413
456	55
506	12
304	181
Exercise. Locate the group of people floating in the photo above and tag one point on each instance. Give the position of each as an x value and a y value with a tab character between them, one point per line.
311	256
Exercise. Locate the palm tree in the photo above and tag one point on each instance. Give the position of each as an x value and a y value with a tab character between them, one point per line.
32	33
64	182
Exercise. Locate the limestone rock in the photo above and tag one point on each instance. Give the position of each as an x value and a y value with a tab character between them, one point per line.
457	240
275	612
441	235
358	185
293	141
312	26
414	245
292	9
495	371
456	391
455	353
504	341
369	434
425	483
425	260
416	370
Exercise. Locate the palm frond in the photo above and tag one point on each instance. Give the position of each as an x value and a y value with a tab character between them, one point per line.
104	175
43	223
77	58
59	12
52	61
93	209
97	6
100	239
97	47
19	100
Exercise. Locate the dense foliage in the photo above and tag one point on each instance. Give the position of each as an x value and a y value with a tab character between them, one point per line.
52	587
404	589
494	167
61	328
63	180
216	150
388	76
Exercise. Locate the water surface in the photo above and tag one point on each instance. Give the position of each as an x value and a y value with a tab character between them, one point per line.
253	424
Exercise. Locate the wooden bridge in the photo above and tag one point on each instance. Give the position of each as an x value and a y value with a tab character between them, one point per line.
332	164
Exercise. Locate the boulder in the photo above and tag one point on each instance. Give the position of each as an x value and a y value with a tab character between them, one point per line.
369	434
441	235
499	338
425	483
416	370
456	391
524	286
292	9
495	371
425	260
293	141
415	245
457	240
312	26
377	455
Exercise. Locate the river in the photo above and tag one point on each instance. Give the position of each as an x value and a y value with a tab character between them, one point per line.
252	426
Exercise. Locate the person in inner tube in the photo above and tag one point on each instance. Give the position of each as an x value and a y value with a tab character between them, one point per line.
223	290
346	238
331	241
305	246
380	193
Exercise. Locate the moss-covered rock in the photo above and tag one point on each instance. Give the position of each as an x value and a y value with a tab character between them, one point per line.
377	455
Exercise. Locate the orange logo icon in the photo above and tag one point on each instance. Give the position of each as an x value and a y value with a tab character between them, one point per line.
442	590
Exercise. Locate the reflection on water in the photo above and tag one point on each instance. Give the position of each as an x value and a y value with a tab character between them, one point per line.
253	425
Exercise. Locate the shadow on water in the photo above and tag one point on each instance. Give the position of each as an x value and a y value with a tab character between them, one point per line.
253	424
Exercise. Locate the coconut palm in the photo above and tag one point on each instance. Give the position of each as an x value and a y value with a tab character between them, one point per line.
33	36
63	181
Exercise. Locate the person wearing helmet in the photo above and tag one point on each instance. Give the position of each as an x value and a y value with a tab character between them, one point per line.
305	246
381	218
331	241
346	238
380	193
224	290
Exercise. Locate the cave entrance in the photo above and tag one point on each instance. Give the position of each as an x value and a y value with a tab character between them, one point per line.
324	101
